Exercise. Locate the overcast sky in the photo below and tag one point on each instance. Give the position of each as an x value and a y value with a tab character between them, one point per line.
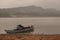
42	3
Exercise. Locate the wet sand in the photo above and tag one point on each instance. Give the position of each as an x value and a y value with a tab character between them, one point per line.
28	37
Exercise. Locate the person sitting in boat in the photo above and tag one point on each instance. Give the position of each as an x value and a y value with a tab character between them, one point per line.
19	27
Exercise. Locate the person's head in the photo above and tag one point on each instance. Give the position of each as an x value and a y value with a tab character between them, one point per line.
31	25
20	25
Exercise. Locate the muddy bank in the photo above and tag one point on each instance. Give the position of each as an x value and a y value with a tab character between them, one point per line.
28	37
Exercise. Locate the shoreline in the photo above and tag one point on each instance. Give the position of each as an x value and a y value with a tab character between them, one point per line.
29	17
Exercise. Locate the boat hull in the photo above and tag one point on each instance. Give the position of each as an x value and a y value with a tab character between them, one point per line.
24	30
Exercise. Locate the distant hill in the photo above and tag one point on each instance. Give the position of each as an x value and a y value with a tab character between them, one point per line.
29	11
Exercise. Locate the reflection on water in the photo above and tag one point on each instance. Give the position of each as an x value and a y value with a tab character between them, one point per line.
41	25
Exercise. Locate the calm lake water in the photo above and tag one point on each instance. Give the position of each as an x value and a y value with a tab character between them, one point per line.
45	25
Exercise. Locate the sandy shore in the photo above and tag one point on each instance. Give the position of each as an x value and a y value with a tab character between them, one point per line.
28	37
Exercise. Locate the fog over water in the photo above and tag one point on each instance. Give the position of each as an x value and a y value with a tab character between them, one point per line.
46	25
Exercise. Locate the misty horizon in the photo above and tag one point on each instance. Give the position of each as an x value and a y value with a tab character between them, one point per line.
55	4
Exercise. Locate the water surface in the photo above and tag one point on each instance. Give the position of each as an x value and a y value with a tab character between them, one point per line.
45	25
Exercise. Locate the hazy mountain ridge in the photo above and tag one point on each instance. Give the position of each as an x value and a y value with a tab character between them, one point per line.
29	11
